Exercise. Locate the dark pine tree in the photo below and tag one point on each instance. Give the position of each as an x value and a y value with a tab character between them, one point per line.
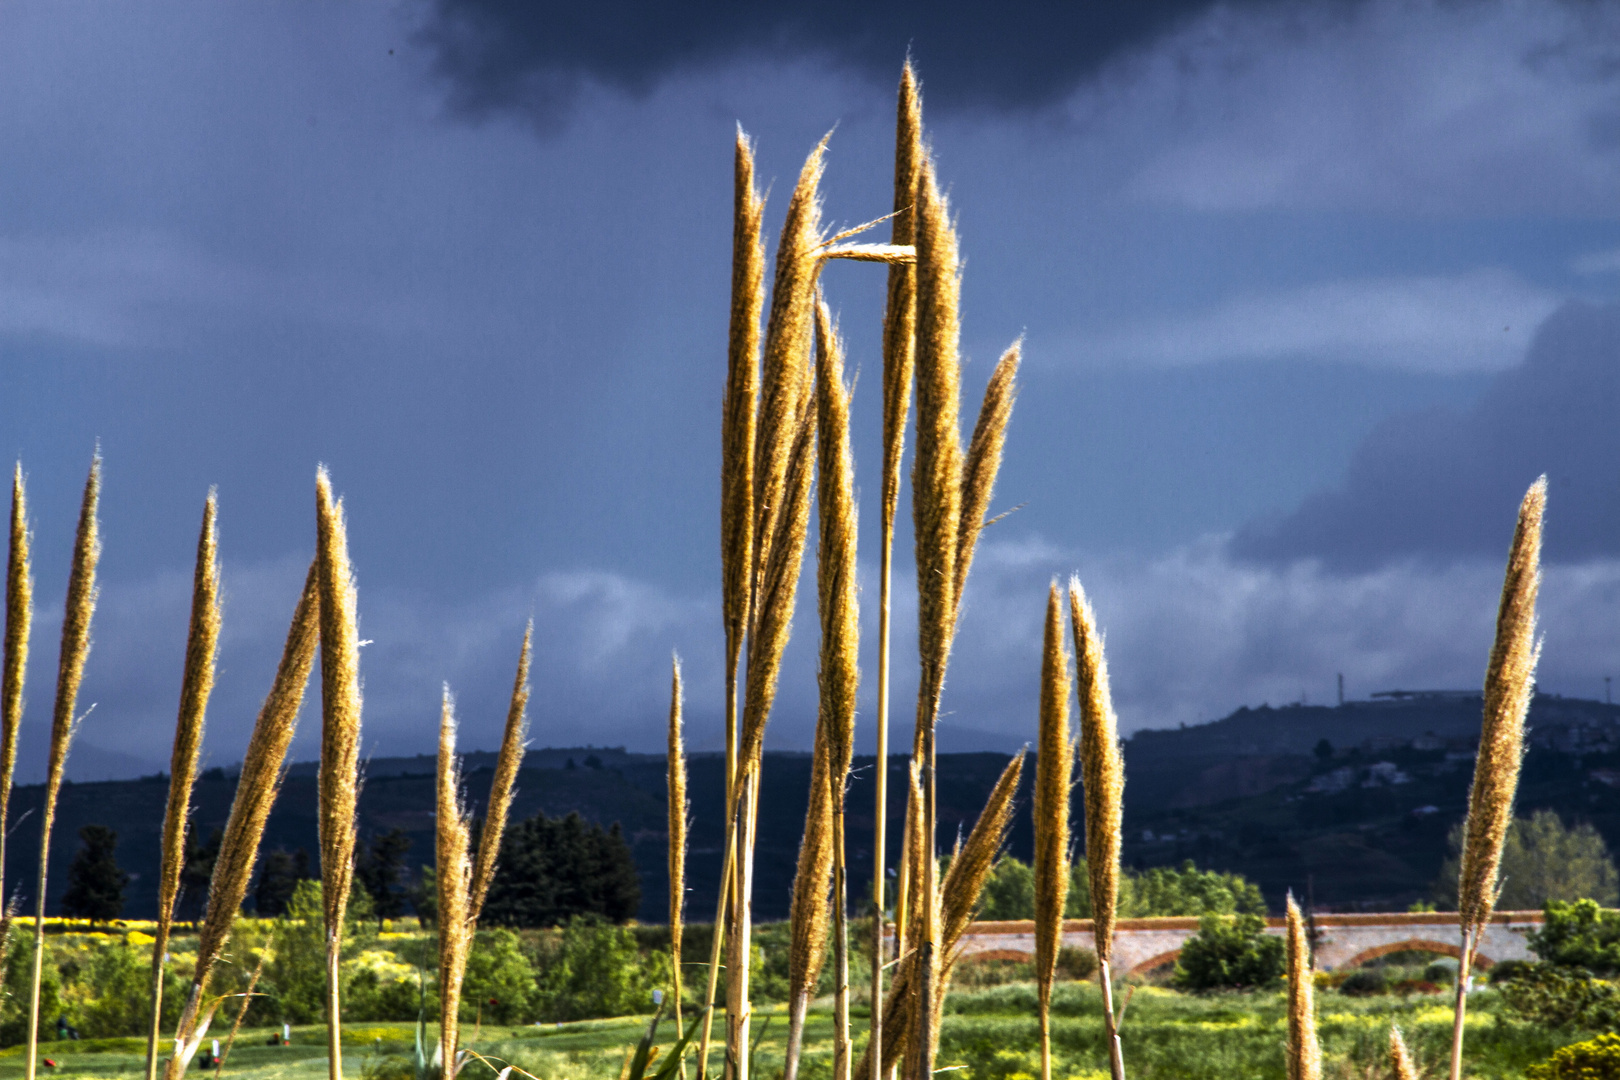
279	875
380	870
552	869
95	883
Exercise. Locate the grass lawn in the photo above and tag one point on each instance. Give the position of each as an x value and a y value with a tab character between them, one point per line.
988	1034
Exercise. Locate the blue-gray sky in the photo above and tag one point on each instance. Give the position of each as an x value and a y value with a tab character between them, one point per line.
1310	293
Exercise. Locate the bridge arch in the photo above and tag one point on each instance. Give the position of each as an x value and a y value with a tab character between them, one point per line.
1159	960
1444	948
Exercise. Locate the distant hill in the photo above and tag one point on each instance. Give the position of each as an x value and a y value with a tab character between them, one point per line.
1363	826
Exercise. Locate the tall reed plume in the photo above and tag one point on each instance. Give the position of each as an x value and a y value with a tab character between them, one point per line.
957	900
899	360
78	608
679	808
784	462
340	742
1103	771
256	790
19	622
1509	683
838	603
463	879
936	485
453	874
1400	1059
1304	1052
1054	774
514	740
197	683
739	420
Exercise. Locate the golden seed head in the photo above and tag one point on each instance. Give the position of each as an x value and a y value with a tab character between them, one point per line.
196	684
739	414
900	312
1054	776
1304	1051
983	463
1509	684
514	739
260	780
19	624
1400	1059
453	875
340	706
1102	769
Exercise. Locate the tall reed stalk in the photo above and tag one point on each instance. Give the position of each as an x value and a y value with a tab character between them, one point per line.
784	461
340	743
956	902
453	875
13	669
78	608
738	424
463	878
679	808
1509	684
197	683
899	358
838	603
1054	775
256	790
1304	1051
1103	771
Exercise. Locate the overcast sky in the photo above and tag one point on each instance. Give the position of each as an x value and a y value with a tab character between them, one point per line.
1310	293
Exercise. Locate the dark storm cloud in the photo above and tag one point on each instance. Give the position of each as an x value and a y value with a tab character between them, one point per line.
533	56
1445	483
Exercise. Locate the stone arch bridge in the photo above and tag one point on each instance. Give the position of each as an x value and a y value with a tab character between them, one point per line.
1343	941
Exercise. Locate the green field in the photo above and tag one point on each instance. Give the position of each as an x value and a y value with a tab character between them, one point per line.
989	1034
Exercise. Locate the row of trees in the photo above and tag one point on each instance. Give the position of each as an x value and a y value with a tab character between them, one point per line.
551	870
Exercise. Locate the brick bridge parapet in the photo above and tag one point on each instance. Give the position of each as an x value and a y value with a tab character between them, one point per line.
1342	940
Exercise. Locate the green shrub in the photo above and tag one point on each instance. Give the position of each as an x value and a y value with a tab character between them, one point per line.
1595	1059
1170	890
1579	934
1365	983
1556	998
593	969
1230	951
19	979
112	991
1444	972
1075	962
499	980
1010	891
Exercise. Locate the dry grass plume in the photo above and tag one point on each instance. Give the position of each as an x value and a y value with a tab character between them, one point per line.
78	608
197	683
1054	774
899	362
19	623
1509	684
1400	1059
340	739
984	462
514	739
1101	767
1304	1052
256	790
453	869
1102	770
679	808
